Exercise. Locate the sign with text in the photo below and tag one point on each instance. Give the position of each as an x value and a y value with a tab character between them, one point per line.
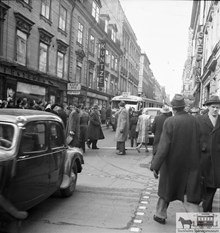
101	70
73	87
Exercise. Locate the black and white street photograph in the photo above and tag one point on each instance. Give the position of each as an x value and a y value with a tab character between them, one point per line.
109	116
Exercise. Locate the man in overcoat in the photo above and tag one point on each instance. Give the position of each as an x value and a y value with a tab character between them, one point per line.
95	132
210	141
73	127
157	126
178	161
122	129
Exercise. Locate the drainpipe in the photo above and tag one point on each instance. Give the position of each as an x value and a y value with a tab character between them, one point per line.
70	38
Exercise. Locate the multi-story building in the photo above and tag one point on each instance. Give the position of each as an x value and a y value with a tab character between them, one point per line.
205	71
95	55
34	49
129	60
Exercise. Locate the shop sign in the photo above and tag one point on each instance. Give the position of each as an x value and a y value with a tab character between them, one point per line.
30	89
73	87
73	92
101	72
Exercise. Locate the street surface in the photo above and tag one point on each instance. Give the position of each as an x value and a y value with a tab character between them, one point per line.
115	194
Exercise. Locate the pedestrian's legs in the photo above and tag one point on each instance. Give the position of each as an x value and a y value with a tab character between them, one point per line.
121	147
207	203
83	146
191	207
139	147
94	144
161	208
132	141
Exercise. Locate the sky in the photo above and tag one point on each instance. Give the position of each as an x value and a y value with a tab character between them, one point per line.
161	28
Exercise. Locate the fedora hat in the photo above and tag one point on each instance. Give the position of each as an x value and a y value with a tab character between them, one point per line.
165	109
212	100
178	101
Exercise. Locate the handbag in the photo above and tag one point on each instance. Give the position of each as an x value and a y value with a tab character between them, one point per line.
69	139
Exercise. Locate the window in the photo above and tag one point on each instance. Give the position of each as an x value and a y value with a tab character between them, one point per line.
113	35
80	34
116	64
33	138
78	71
95	11
56	136
60	64
62	18
92	44
45	8
113	62
107	57
90	78
43	57
106	26
21	44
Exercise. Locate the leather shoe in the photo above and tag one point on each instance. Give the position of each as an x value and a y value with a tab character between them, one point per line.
159	220
120	153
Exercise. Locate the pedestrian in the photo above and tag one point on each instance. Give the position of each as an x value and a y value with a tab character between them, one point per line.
108	116
94	130
132	127
122	129
142	129
195	111
84	121
157	126
178	160
73	127
103	115
210	141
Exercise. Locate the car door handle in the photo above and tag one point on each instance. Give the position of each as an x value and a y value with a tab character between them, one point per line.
23	156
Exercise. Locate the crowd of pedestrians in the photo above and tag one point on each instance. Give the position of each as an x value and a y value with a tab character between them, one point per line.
83	125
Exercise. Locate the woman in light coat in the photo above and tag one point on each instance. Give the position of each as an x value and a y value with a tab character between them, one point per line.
142	129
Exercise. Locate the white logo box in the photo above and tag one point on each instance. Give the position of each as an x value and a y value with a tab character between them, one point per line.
198	222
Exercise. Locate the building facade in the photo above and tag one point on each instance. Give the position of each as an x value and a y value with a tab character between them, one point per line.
34	49
205	68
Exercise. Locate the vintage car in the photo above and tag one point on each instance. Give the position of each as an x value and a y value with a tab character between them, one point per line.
35	161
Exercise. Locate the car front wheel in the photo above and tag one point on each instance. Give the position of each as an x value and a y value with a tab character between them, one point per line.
72	187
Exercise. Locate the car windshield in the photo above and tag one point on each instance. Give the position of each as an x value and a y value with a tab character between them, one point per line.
6	135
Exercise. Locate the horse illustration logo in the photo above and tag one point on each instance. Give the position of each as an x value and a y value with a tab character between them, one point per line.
185	222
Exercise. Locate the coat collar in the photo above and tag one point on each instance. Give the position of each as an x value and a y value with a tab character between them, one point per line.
209	123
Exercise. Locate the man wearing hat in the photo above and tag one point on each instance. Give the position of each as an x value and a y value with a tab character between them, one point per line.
210	140
177	159
157	126
122	128
95	129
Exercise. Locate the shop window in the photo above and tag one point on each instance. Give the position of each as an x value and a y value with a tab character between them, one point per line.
43	57
92	44
107	57
60	64
90	79
45	8
21	44
62	18
95	11
80	33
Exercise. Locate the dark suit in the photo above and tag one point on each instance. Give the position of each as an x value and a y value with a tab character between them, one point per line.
210	144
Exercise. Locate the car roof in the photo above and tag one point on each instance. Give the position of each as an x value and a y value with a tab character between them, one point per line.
14	115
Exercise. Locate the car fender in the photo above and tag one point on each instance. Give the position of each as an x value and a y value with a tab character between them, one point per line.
73	154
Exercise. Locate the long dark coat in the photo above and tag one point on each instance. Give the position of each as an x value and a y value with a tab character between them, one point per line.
133	125
95	129
84	125
74	125
157	128
210	144
178	159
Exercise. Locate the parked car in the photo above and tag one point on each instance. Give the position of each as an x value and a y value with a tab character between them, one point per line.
152	111
35	161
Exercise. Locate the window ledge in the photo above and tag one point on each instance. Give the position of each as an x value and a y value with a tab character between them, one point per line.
25	5
62	32
46	20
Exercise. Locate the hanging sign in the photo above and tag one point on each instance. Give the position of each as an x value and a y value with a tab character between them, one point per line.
101	71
